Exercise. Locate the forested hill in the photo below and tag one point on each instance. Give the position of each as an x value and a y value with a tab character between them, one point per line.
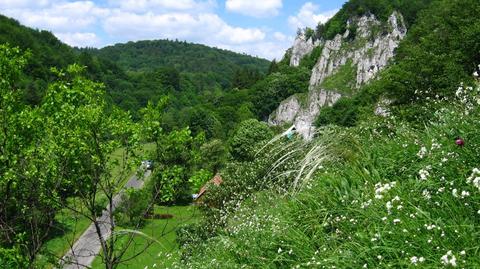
202	62
133	73
46	51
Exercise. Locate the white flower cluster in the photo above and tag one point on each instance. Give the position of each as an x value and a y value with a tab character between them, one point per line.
469	97
426	194
423	173
415	260
390	204
449	259
380	189
422	152
435	145
475	178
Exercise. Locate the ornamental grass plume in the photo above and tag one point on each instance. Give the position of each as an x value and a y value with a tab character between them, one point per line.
307	156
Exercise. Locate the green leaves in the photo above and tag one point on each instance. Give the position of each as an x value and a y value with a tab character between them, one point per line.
244	144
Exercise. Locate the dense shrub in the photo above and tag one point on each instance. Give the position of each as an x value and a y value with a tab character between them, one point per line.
400	196
133	208
245	141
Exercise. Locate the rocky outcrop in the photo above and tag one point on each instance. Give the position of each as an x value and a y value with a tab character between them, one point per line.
303	115
301	47
368	49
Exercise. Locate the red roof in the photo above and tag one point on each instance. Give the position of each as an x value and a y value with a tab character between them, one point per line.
216	180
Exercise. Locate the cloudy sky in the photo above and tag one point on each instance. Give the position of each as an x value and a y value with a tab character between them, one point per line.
264	28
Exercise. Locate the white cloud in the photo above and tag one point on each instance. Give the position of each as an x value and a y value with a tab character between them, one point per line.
308	16
163	6
11	4
206	28
279	36
79	39
86	23
265	49
255	8
60	17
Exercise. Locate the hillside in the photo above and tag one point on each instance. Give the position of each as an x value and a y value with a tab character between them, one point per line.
388	179
359	149
198	61
195	77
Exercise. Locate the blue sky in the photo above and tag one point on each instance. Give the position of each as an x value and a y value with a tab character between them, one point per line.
264	28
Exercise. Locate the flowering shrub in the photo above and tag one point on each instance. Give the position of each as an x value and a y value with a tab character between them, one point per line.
391	194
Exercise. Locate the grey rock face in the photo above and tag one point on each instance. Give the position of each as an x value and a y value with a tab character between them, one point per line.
301	47
370	52
303	116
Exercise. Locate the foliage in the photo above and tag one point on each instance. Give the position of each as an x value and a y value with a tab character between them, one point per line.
27	162
423	68
311	59
440	51
209	66
244	143
199	178
396	196
343	80
131	211
12	258
268	93
61	149
213	155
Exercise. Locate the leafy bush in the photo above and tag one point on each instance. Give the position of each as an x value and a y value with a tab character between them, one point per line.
133	208
244	143
399	196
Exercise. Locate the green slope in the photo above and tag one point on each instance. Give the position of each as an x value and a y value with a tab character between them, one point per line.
200	61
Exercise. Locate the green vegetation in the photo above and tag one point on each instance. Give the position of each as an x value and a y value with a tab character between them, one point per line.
367	191
343	81
384	194
209	67
310	60
391	192
163	250
244	143
423	67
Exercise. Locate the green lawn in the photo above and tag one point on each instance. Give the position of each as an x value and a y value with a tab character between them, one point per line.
70	226
163	252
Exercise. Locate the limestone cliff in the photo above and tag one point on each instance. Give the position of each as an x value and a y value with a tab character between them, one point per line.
302	47
361	52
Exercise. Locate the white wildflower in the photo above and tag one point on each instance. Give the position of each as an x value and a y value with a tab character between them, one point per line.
380	189
424	174
426	194
449	259
414	260
422	152
455	193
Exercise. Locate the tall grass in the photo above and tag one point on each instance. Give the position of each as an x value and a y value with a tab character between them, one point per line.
384	194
